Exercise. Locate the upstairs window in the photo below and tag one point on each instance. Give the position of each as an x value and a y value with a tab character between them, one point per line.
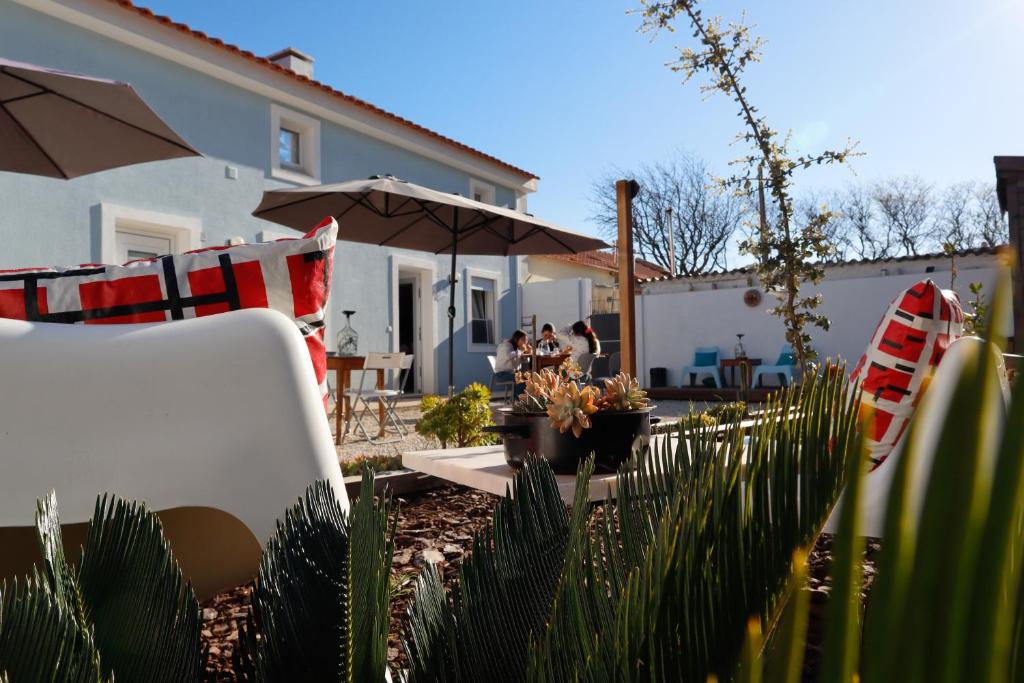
481	192
294	146
288	148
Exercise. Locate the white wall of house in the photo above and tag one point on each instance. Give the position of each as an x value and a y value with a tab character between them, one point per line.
672	320
561	302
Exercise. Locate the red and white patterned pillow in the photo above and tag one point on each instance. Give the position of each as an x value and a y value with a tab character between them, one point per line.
291	275
898	364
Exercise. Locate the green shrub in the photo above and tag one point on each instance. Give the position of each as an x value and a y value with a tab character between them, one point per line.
458	420
376	463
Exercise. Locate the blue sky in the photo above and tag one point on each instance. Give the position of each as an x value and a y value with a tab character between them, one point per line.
569	88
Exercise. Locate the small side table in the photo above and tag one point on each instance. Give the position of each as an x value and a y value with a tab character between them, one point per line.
745	367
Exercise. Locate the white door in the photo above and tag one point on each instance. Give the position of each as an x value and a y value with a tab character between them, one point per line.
131	246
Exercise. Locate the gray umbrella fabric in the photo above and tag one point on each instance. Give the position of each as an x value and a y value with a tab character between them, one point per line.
389	212
63	125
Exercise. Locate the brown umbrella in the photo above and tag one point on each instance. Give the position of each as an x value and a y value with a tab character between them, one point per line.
391	212
63	125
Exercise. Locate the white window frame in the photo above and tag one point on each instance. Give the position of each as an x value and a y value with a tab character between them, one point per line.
488	193
185	232
308	128
467	286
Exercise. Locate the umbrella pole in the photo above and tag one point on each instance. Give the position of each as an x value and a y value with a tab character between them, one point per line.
451	312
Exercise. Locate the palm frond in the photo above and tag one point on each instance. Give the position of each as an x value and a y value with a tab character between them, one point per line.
371	547
56	570
505	589
144	617
41	640
701	537
300	600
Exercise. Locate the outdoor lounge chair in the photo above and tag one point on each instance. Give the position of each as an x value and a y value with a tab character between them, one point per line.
705	362
933	414
216	423
783	368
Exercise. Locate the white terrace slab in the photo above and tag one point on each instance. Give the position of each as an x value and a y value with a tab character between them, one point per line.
484	468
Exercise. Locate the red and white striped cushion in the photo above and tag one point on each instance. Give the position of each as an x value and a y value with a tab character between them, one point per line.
905	349
291	275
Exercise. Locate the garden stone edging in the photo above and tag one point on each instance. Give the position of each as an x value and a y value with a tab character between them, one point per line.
399	482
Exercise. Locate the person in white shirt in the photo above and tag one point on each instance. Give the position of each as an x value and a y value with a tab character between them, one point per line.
509	356
580	340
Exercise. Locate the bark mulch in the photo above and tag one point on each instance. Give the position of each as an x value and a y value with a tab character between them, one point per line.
438	526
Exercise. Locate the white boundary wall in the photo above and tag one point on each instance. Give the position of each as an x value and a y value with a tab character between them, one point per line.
561	302
672	320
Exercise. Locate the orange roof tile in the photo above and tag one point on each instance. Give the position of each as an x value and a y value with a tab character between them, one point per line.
605	260
264	62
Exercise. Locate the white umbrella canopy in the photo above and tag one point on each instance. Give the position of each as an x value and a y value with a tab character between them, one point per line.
386	211
390	212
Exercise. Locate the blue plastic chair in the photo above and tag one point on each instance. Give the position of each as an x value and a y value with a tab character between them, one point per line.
705	362
783	367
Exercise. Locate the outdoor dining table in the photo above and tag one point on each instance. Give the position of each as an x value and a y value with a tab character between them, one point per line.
343	367
539	361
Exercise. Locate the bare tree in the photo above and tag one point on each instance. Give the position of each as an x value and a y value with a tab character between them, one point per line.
858	219
954	217
987	218
903	205
704	218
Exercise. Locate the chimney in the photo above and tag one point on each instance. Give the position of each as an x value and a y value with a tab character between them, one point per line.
293	60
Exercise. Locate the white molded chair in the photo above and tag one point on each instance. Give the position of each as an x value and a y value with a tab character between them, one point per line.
705	362
783	368
216	423
932	412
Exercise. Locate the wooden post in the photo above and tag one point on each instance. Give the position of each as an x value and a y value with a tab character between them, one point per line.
625	190
1010	188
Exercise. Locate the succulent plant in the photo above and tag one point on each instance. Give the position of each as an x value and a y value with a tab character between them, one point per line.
570	407
623	392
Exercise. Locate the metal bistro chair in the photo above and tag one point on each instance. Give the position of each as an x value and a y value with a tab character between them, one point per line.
392	401
507	385
613	367
375	361
586	361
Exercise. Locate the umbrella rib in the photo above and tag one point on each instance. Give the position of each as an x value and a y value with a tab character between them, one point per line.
401	230
19	98
106	114
35	142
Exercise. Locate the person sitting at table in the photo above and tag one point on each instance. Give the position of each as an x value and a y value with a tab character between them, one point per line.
548	342
581	340
509	355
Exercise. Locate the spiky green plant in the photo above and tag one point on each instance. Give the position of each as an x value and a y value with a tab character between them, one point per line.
701	536
121	611
321	601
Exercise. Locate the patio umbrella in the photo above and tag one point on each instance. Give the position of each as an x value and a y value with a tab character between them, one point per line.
391	212
63	125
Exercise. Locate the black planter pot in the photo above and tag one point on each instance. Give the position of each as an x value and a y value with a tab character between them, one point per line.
611	438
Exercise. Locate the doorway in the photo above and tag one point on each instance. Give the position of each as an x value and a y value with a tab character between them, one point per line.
408	329
413	318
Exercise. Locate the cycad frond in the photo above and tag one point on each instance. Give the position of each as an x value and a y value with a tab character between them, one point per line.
144	616
41	640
